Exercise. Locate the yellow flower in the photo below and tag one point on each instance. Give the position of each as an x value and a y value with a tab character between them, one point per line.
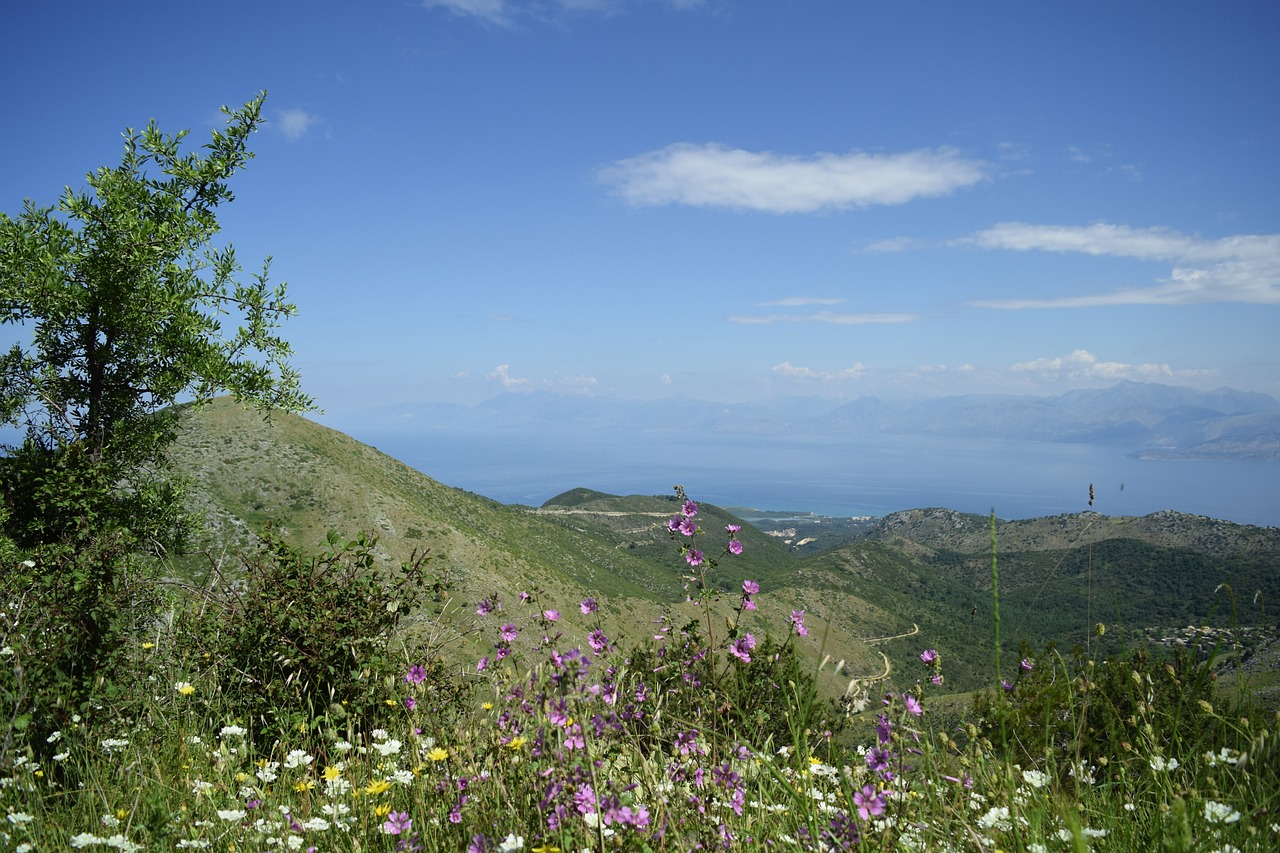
382	811
438	754
546	848
185	688
814	760
121	814
304	785
242	777
488	706
331	773
392	703
377	786
516	742
148	645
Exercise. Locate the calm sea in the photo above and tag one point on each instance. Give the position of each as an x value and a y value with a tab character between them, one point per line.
841	476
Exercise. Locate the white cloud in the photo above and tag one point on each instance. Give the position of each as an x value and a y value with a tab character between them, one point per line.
829	317
665	379
1084	365
295	123
1241	268
493	11
890	245
502	375
796	301
804	373
505	12
715	176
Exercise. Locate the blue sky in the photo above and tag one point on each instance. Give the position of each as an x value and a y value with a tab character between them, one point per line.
730	200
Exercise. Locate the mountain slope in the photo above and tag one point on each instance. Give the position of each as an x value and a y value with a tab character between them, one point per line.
307	479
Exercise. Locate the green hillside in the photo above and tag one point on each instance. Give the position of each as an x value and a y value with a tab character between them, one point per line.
306	479
919	579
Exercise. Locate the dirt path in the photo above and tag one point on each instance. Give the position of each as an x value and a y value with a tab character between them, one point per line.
875	641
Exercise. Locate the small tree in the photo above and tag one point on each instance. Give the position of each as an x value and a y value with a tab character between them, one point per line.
125	306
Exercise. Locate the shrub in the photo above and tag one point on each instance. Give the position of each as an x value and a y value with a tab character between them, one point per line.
1068	714
302	632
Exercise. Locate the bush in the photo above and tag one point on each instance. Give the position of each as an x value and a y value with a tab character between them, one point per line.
303	632
1074	714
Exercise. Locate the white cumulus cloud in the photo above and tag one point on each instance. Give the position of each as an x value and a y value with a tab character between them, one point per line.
829	317
717	176
1083	365
787	369
493	11
502	375
1240	268
295	123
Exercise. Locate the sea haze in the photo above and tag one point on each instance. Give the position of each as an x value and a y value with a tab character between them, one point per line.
1143	446
862	475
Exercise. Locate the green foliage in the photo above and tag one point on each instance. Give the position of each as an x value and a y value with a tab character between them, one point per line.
67	611
769	703
120	297
1068	714
124	295
301	633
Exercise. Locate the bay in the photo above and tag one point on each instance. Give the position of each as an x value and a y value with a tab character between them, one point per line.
838	476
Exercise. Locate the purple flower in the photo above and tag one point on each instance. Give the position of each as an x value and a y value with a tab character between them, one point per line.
597	640
912	703
732	528
1008	688
508	632
484	608
552	615
750	587
588	606
747	603
690	509
1027	665
878	759
936	679
410	703
688	526
482	664
416	674
797	619
396	823
694	557
883	728
928	656
741	648
673	524
869	802
735	547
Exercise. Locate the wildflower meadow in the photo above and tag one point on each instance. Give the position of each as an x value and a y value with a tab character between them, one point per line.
235	723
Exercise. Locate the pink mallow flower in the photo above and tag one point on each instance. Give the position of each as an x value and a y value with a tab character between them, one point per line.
694	557
735	547
870	803
397	823
750	587
797	620
741	648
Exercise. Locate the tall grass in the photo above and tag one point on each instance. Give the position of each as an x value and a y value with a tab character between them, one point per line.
708	736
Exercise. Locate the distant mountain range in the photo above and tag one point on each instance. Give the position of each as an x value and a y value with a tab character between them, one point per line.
1150	420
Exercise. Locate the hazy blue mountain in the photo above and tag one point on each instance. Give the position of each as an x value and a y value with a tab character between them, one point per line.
1147	419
